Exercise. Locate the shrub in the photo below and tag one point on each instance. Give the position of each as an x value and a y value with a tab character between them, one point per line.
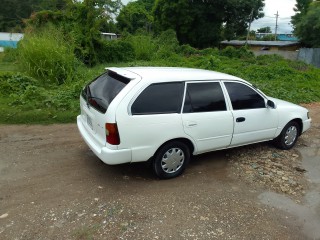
232	52
143	45
47	56
14	83
116	51
187	50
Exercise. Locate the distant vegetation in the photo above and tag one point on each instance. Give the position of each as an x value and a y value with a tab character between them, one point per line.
62	50
33	93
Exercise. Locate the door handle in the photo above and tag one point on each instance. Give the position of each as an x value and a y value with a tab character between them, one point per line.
240	119
191	124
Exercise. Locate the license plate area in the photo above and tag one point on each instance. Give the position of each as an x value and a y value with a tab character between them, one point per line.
89	122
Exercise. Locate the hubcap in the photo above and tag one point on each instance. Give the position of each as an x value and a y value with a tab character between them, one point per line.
291	135
172	160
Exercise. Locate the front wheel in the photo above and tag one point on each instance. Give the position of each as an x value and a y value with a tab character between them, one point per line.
171	160
288	137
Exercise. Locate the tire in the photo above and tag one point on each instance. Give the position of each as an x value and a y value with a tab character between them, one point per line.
171	160
288	137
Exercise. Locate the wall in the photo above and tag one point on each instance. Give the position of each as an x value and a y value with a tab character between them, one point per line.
292	55
310	55
10	39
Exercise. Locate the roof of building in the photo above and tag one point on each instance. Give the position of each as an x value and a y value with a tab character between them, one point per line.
260	43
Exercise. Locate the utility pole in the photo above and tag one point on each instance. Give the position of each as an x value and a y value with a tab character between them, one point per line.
276	30
248	33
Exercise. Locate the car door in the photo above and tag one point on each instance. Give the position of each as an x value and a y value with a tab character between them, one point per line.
205	116
253	120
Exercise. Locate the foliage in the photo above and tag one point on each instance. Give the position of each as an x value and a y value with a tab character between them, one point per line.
116	51
199	23
233	52
264	30
80	21
134	16
12	12
307	25
143	45
24	99
48	56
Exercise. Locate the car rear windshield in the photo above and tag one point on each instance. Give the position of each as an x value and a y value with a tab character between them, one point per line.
102	90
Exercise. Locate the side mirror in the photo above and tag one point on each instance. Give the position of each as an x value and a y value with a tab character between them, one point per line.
271	104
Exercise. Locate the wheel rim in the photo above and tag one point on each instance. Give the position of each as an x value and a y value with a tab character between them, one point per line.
291	135
172	160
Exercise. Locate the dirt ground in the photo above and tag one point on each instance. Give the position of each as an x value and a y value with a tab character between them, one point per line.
53	187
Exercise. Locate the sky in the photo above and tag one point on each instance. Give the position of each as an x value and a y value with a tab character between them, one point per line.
285	9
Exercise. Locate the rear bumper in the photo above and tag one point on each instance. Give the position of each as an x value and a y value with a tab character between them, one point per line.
107	155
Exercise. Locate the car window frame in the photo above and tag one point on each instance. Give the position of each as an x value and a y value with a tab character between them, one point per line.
258	91
205	81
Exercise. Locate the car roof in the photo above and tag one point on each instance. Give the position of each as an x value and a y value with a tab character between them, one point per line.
164	74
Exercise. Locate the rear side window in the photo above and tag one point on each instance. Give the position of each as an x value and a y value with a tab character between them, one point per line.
159	98
244	97
204	97
101	91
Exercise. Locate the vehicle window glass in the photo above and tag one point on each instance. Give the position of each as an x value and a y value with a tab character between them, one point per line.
204	97
101	91
159	98
244	97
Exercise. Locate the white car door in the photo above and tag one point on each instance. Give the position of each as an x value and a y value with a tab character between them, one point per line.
205	116
253	121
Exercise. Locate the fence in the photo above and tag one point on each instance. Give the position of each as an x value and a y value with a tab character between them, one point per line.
310	55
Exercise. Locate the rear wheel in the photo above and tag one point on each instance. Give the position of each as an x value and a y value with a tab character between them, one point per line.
171	160
288	137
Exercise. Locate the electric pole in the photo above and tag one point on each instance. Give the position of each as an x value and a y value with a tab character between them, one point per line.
276	30
248	33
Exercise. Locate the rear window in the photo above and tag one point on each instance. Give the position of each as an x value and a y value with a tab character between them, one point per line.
101	91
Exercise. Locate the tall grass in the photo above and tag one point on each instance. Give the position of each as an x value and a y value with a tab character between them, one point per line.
48	56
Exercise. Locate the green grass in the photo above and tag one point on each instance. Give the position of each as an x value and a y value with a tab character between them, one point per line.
24	100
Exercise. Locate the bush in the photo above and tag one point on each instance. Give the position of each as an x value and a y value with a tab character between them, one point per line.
14	83
116	51
232	52
143	45
187	50
167	44
48	57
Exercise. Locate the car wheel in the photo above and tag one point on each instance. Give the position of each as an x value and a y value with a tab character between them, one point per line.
171	160
288	137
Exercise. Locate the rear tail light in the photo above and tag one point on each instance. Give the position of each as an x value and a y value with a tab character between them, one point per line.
112	134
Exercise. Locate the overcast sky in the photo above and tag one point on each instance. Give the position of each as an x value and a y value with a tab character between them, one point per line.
285	9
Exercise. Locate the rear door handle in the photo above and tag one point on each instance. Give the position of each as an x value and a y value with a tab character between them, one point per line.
191	124
240	119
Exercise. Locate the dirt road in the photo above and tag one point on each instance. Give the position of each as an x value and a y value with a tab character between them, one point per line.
53	187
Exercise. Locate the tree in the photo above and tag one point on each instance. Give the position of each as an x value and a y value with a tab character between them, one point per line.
135	16
200	23
81	22
307	25
264	30
12	12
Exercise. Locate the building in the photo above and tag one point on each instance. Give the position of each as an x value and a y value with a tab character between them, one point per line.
9	40
109	36
263	45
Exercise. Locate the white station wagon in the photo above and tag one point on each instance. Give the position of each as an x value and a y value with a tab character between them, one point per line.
166	115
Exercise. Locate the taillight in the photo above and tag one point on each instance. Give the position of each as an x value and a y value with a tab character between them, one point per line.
112	134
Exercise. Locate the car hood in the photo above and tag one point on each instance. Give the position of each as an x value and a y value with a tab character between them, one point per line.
284	104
